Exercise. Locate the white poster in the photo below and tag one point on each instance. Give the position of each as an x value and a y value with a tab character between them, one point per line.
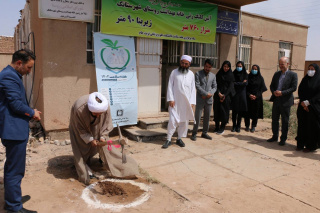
75	10
117	76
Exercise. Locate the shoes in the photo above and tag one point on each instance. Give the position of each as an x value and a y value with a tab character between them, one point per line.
206	136
220	132
238	129
299	149
23	210
180	143
252	129
273	139
305	150
23	200
194	137
233	129
216	130
247	129
282	143
166	144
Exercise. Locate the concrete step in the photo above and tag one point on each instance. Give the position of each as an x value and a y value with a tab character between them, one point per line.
153	123
144	135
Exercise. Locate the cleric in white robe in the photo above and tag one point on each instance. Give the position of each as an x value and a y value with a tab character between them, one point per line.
181	95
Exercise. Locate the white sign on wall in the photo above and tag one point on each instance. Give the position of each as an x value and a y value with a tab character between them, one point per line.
72	10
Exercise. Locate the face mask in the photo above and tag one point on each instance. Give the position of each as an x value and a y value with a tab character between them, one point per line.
239	69
311	73
254	72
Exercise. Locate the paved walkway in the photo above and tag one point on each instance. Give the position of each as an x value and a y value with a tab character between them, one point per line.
236	172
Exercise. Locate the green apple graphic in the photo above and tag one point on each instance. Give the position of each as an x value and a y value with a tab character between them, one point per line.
114	57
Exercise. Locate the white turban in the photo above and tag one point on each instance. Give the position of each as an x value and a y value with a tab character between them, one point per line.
186	57
94	105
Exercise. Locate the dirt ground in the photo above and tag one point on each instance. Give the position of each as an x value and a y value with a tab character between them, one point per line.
51	181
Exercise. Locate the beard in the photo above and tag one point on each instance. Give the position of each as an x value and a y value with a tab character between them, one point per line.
183	69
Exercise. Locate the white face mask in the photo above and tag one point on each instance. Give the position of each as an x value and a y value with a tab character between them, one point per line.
311	73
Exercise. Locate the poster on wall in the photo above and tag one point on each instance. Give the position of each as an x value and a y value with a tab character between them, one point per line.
117	76
75	10
166	19
227	22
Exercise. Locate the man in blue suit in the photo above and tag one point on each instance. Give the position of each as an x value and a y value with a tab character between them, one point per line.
15	115
283	84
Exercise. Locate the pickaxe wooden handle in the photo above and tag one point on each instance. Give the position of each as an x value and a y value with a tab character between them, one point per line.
122	142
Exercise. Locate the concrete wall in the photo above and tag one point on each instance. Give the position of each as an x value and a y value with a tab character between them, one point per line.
62	73
5	60
266	34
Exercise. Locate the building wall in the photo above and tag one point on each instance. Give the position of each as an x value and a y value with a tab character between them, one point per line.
5	60
62	73
266	34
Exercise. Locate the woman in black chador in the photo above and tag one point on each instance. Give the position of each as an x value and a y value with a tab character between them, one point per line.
239	100
308	112
222	97
255	88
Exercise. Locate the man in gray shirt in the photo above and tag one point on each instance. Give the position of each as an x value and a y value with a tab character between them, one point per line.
206	86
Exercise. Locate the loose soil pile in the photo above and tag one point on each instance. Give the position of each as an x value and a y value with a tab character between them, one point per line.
115	192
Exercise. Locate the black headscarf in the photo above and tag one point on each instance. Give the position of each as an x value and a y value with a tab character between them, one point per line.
225	76
255	83
309	89
224	79
240	76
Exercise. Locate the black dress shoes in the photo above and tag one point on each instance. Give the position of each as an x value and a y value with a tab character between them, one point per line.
247	129
253	129
282	143
233	129
273	139
238	129
180	143
206	136
194	137
23	210
166	144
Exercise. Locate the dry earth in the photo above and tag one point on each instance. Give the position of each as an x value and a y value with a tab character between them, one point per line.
51	180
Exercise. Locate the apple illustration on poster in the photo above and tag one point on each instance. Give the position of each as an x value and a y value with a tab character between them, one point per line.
114	57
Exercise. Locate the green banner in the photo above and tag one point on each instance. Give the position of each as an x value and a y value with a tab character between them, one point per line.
160	19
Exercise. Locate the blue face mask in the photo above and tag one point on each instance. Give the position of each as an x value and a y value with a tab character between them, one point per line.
239	69
254	72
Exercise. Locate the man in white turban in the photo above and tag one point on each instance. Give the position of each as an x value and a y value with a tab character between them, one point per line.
90	124
181	95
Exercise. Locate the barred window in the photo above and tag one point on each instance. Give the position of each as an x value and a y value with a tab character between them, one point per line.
92	28
245	51
202	51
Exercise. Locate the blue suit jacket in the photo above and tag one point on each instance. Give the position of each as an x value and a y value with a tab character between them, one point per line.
15	113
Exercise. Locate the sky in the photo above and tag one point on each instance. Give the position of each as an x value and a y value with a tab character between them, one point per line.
302	12
297	11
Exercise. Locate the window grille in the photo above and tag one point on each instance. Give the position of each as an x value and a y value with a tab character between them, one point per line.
245	51
91	28
202	51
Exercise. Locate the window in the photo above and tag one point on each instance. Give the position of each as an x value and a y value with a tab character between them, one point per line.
245	51
149	51
201	51
285	50
91	28
174	52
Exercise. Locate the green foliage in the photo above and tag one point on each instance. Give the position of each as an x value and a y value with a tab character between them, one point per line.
293	123
267	109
